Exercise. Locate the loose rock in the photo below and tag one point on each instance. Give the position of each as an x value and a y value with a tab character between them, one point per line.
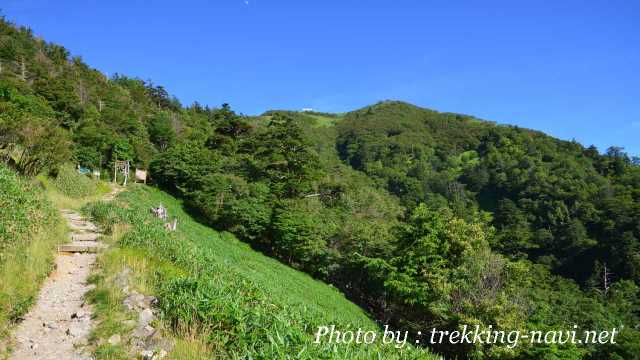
160	355
114	339
143	332
76	331
145	317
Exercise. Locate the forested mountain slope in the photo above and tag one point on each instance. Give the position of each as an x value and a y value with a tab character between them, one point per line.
424	219
552	201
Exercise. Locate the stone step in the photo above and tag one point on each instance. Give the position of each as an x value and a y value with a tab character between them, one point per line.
81	224
73	217
84	226
78	248
70	214
88	236
78	220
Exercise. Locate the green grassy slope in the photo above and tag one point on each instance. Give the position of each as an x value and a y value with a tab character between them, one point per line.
323	120
308	118
30	227
249	303
281	282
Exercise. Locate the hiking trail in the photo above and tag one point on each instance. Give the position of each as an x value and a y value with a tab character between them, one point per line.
58	325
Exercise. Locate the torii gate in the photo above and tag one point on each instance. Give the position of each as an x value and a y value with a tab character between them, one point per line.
123	167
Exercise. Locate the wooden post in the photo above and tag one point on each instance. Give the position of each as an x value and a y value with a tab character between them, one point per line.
126	172
126	175
123	166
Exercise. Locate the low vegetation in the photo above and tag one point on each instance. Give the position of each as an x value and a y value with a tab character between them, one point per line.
242	303
69	189
118	270
71	183
29	230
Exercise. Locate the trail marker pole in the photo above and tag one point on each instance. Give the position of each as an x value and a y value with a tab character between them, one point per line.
122	166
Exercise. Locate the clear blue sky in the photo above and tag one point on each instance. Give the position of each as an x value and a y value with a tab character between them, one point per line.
569	68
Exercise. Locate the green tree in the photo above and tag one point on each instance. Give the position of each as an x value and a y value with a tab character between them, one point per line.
283	156
161	132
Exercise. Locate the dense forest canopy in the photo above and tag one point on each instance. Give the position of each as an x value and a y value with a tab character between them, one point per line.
552	201
425	219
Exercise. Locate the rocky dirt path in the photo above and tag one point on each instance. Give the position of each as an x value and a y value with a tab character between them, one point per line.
59	323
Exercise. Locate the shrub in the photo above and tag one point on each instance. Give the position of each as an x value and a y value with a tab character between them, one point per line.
23	211
29	230
105	213
73	184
